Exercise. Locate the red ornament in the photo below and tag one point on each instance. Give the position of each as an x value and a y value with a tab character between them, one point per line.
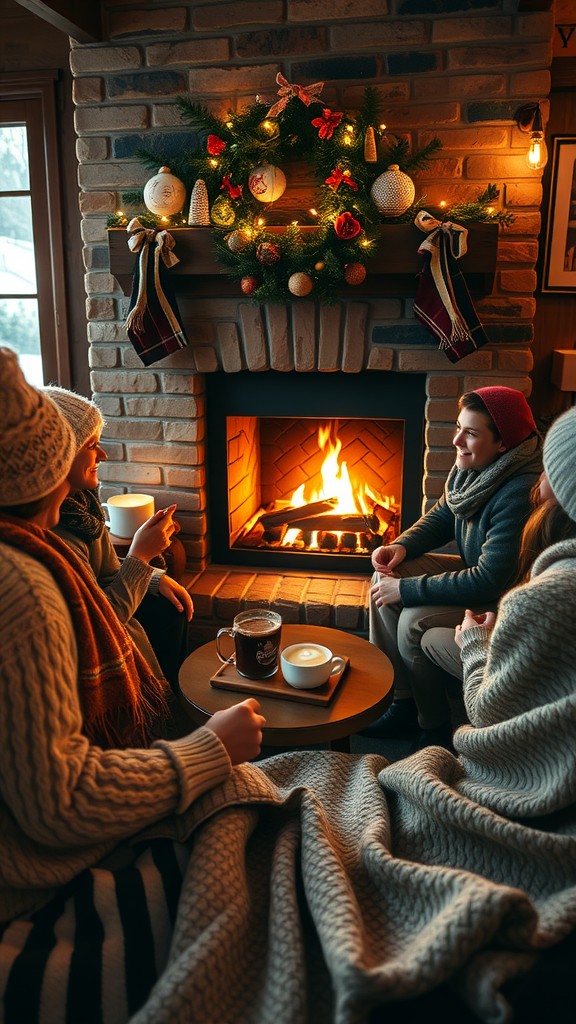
347	227
234	191
354	273
249	285
339	177
327	122
215	145
267	253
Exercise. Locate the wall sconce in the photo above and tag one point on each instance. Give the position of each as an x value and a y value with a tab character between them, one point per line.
529	119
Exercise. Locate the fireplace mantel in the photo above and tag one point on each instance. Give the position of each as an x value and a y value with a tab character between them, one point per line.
393	270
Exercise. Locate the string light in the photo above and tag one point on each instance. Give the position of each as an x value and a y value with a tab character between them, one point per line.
260	222
213	162
529	119
313	212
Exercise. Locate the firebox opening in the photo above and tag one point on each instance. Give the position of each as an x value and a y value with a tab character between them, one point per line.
312	469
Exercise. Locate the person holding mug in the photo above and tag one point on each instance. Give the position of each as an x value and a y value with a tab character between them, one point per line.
155	608
84	894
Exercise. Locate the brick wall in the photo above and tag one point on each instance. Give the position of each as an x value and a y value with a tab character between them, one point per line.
459	73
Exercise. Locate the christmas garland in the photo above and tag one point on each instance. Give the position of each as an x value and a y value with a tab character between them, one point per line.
234	175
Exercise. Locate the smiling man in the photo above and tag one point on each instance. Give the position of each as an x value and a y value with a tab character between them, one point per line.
485	503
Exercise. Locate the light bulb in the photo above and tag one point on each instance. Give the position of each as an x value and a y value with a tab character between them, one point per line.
537	154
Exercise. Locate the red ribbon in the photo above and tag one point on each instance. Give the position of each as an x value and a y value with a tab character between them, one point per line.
306	93
234	191
339	177
328	121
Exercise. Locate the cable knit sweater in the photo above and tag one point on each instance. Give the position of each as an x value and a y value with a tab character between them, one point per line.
64	803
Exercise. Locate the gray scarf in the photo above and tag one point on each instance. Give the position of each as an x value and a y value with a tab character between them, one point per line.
467	490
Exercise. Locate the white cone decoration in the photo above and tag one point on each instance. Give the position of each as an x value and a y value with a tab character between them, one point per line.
393	192
199	215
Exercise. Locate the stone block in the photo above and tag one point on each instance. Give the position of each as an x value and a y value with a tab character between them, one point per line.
170	144
123	381
280	42
102	356
161	405
100	309
110	118
494	168
161	454
513	334
329	337
515	359
459	87
460	30
414	63
192	430
388	92
520	383
347	615
530	83
444	6
523	193
100	59
518	251
506	56
87	90
354	341
96	257
465	139
438	461
433	486
535	24
307	10
442	386
203	590
123	473
145	22
517	280
335	69
93	203
381	34
108	405
207	17
176	477
380	358
128	429
146	84
94	229
441	411
191	51
304	340
97	283
245	80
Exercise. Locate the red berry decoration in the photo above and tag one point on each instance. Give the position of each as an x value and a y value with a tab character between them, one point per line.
354	273
267	253
249	285
346	226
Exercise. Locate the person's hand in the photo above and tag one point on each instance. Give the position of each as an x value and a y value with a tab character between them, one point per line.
177	595
154	536
240	730
386	591
486	619
385	559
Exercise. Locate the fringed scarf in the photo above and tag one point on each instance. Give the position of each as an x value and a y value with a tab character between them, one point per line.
468	490
443	302
121	699
153	323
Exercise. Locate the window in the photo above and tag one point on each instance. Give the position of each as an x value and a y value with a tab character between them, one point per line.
33	317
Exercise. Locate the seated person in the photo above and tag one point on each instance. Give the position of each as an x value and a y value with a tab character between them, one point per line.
135	589
80	778
486	501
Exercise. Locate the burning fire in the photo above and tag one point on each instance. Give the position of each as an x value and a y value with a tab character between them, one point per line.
336	484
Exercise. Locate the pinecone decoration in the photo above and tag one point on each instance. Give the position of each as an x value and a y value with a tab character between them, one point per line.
199	213
267	253
393	192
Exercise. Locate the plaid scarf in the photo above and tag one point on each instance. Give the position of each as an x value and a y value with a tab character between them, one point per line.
153	324
443	302
120	697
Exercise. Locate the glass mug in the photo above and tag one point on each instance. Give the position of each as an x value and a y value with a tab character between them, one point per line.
256	635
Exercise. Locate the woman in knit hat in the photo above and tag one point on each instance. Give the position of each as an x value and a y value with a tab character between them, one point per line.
134	588
485	502
80	776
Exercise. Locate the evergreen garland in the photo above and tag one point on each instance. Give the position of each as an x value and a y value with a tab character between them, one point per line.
224	153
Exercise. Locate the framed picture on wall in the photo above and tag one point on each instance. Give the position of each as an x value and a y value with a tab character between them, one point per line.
560	248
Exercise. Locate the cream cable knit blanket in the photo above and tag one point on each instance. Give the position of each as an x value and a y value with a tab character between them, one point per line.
322	884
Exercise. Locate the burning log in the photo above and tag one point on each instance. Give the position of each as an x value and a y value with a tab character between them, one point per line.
334	521
290	514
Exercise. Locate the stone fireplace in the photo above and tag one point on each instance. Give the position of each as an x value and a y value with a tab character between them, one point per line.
453	74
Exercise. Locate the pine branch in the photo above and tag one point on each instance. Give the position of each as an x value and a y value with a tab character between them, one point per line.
199	117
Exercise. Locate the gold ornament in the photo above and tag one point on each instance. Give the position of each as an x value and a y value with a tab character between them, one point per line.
370	155
267	253
300	284
222	212
237	240
393	192
267	183
164	194
319	266
354	273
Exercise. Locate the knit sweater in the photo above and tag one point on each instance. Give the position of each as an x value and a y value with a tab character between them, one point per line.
64	804
487	542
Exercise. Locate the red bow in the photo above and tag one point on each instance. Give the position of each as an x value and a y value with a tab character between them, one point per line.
339	177
327	123
234	191
306	93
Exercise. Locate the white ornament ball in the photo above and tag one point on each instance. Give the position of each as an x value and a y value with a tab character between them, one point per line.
164	194
300	284
393	192
267	183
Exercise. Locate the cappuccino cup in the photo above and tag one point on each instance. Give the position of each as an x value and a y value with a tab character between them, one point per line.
256	634
305	666
127	512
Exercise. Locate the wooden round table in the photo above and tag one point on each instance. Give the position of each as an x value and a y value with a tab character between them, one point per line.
362	695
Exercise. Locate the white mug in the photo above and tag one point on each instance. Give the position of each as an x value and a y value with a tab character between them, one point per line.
126	512
305	666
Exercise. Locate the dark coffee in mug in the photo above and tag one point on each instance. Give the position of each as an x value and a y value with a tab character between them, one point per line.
256	636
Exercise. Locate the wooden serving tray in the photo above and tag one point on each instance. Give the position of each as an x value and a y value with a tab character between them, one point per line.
227	678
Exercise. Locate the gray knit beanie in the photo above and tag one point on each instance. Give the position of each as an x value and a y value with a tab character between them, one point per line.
83	416
36	444
558	456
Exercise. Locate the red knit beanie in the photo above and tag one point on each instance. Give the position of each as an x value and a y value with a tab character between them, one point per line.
511	413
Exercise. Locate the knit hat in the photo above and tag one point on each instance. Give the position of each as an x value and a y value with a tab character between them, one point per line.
36	444
511	413
558	457
83	416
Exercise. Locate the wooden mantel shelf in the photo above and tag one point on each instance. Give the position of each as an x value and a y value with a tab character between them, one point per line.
397	258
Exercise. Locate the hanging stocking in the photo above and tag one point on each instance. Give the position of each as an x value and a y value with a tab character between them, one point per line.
443	302
153	323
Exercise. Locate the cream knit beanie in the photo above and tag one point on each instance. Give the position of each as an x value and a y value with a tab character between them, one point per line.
83	416
558	457
36	444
